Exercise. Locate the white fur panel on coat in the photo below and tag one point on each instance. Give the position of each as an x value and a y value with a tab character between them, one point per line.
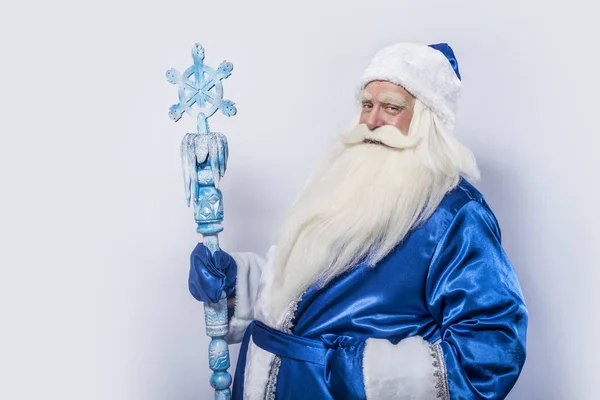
249	270
402	371
255	278
258	366
264	305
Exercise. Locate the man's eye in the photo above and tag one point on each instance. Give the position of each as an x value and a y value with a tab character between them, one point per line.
367	106
392	109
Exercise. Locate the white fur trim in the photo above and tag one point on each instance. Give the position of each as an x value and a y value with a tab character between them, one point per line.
422	71
401	371
265	306
258	361
249	268
258	364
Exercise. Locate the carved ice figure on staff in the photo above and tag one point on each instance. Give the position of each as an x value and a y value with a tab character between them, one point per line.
388	279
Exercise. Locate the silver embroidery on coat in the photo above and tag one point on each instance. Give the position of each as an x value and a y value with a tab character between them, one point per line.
286	326
440	373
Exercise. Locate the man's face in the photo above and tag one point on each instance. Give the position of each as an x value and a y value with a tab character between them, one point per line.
385	103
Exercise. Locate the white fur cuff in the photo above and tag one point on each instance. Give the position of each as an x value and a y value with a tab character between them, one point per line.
410	369
249	268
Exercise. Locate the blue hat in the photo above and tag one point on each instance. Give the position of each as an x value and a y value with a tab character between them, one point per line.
430	73
449	54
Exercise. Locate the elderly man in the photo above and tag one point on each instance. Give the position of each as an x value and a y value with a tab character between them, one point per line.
388	279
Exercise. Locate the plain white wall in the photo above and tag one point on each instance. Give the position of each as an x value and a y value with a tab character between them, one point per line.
96	235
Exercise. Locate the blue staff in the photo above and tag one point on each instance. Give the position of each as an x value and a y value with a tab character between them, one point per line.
204	160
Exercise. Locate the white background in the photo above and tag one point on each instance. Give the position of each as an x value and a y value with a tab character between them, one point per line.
95	231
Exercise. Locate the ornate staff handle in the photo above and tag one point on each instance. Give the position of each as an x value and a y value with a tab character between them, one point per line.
204	161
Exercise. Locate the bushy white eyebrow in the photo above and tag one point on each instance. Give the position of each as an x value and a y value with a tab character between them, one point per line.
385	97
364	96
393	98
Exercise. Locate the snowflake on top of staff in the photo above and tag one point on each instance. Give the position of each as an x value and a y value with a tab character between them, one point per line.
203	153
200	90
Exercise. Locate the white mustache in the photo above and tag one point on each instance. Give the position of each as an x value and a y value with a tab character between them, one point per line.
387	134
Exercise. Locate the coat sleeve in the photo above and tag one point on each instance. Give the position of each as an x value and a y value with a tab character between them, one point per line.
249	267
473	293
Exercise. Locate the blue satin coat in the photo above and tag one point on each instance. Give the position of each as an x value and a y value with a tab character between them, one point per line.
449	280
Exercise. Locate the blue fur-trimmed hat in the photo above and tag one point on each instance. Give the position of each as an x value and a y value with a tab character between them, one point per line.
430	73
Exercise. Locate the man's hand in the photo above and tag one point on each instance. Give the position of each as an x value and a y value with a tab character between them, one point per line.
211	274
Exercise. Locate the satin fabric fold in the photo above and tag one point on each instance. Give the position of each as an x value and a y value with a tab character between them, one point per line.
289	345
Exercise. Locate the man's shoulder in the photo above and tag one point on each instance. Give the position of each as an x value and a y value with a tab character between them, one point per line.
469	202
461	195
464	199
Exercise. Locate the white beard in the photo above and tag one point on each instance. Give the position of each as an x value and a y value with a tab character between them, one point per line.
363	201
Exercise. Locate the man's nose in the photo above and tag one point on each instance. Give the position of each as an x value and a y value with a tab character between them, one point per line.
374	119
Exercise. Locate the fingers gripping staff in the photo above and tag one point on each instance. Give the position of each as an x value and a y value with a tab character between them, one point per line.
204	160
